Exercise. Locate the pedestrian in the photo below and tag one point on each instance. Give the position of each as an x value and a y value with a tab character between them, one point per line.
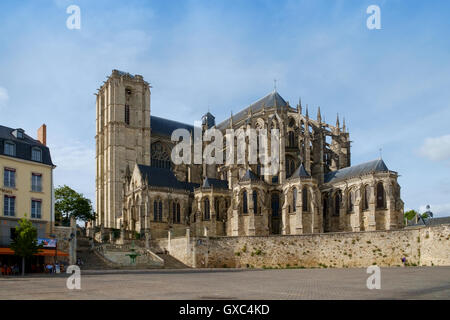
404	261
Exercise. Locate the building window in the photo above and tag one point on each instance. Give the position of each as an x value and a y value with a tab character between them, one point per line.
10	149
244	202
305	199
9	178
9	206
350	201
127	114
294	200
155	211
36	154
337	203
381	203
255	202
178	219
366	198
291	139
36	209
160	211
207	213
36	182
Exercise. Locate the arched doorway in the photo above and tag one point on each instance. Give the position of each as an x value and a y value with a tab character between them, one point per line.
275	220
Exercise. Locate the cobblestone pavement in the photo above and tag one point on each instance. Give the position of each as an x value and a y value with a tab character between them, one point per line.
285	284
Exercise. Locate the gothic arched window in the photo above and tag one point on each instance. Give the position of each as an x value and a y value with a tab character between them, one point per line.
294	199
305	199
366	197
337	203
207	212
127	114
178	216
244	202
291	139
381	203
160	211
155	211
160	156
350	201
255	202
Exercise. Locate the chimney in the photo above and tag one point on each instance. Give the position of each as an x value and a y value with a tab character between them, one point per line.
42	134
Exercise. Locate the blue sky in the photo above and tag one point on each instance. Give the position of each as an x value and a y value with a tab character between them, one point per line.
391	85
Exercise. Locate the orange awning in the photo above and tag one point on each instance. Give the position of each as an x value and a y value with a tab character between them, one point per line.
42	252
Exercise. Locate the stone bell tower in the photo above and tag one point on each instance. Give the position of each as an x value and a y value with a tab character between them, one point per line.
122	139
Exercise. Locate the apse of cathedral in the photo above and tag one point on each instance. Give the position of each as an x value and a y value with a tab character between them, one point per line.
139	188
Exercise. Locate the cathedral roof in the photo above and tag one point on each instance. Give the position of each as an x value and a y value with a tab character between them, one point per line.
273	99
165	127
356	171
249	176
215	183
300	173
164	178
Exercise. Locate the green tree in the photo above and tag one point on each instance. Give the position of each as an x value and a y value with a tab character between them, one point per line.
411	214
69	203
25	243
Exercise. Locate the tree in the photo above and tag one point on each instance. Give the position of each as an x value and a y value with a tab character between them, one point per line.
411	214
25	244
69	203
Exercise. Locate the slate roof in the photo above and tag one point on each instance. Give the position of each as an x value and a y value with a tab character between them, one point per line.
165	127
271	100
300	173
249	176
164	178
23	146
431	222
215	183
356	171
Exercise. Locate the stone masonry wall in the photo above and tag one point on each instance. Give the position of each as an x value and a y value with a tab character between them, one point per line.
420	246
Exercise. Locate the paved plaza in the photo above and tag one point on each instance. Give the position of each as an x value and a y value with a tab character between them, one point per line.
284	284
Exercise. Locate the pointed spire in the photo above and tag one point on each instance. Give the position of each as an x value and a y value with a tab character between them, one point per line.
299	105
337	120
319	116
231	120
307	115
343	125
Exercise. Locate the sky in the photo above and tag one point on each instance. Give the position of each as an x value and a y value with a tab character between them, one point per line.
391	84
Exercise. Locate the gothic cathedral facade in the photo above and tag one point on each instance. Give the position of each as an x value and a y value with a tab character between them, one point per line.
140	190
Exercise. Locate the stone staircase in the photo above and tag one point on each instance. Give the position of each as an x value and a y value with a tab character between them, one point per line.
171	262
91	260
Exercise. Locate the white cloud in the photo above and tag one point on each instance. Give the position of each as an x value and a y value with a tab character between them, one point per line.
436	149
4	97
439	210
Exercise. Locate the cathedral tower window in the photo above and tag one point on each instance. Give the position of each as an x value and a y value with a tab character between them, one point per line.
155	211
178	219
160	211
127	114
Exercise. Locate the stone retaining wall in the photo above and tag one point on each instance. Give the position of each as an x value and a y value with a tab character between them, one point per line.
420	246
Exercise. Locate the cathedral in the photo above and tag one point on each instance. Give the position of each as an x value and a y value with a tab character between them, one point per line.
141	191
